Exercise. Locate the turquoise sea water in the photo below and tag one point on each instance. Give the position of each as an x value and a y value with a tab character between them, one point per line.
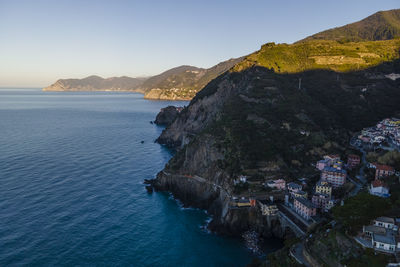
71	192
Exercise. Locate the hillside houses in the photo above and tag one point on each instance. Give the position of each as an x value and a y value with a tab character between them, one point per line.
382	235
383	171
332	170
335	176
304	208
387	130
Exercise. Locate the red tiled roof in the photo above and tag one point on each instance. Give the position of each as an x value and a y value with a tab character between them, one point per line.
378	183
384	167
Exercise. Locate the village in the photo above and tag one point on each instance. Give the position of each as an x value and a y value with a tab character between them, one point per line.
303	206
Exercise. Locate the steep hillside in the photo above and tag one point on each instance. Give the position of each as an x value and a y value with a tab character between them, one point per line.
275	113
383	25
182	83
96	83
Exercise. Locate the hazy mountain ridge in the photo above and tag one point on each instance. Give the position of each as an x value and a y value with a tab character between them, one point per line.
96	83
182	83
383	25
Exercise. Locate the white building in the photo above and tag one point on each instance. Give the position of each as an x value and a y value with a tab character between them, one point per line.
379	188
386	222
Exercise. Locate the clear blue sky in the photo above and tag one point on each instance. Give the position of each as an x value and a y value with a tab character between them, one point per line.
42	41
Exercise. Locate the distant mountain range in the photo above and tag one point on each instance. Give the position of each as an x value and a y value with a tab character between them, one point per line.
383	25
341	54
96	83
180	83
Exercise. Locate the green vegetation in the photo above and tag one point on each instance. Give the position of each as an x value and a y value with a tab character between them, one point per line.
360	210
369	259
382	25
322	54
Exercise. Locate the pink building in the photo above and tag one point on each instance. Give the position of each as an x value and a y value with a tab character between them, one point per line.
278	184
304	208
335	176
353	161
322	164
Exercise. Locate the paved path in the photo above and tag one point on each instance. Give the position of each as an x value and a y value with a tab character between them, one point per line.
198	179
297	253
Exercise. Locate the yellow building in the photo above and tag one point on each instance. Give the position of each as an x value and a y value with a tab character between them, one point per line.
300	194
323	187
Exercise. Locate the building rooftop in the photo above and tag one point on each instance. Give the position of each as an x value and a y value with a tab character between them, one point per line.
331	169
384	167
305	202
322	195
378	183
387	238
385	220
323	183
294	185
375	229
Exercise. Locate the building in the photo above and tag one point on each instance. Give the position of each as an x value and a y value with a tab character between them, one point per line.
386	222
383	171
353	161
268	209
332	158
370	230
323	187
335	176
293	187
379	188
304	208
300	194
382	235
278	184
322	164
386	242
243	202
320	201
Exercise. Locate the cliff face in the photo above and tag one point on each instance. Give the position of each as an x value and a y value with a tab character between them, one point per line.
96	83
261	121
167	115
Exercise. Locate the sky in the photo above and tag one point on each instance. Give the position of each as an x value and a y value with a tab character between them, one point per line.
45	40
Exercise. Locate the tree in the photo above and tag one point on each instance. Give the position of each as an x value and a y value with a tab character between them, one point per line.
360	210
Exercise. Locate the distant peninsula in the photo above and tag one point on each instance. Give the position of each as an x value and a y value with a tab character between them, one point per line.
96	83
180	83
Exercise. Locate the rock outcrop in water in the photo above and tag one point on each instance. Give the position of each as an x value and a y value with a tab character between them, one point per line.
167	115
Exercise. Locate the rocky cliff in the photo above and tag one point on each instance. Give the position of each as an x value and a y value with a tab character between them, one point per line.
167	115
261	121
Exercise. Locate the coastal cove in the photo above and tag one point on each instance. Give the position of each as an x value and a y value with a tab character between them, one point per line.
71	186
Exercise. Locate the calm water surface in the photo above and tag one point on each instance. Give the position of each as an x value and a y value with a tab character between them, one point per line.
71	192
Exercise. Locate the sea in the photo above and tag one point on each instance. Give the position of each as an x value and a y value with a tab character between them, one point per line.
72	166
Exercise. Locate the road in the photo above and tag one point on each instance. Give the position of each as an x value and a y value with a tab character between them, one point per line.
297	252
361	175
